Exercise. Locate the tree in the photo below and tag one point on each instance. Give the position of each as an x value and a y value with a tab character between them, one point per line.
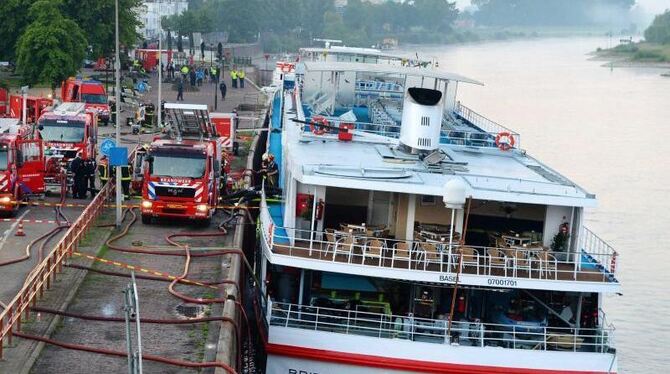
13	20
97	18
659	30
52	47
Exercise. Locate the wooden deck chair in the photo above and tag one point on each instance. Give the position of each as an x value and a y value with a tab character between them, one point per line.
470	257
374	249
344	246
496	259
548	264
402	251
430	254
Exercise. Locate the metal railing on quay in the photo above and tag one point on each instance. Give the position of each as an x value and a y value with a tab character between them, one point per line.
437	256
463	332
44	273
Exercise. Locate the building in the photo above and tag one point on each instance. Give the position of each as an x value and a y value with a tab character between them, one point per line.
152	10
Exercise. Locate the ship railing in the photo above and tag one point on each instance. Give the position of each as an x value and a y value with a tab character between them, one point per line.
597	252
486	125
388	127
536	263
531	336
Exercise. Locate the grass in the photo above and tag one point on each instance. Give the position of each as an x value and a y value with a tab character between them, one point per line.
642	52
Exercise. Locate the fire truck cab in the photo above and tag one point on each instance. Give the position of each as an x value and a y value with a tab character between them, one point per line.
65	130
21	165
182	174
90	92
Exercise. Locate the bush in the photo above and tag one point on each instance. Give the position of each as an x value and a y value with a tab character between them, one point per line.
649	55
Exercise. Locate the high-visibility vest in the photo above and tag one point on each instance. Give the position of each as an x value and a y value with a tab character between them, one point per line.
103	171
240	74
184	69
233	74
125	172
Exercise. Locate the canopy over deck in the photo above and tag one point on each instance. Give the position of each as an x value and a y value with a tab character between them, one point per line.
312	66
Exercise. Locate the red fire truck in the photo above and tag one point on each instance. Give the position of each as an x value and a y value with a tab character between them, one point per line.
21	165
183	173
4	101
36	106
226	127
66	130
91	92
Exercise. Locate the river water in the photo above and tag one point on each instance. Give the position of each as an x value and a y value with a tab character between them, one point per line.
607	130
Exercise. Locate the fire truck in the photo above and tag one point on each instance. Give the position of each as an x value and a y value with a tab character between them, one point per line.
90	92
65	130
21	165
182	176
226	127
11	106
35	106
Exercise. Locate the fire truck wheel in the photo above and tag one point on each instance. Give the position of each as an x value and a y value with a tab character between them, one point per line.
147	219
204	222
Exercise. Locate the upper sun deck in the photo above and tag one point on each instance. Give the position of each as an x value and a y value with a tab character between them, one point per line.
356	55
373	161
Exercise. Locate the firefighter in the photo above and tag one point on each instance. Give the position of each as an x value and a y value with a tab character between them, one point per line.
89	182
103	170
269	169
78	170
126	177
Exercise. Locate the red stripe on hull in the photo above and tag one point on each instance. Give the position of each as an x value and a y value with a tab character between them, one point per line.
402	364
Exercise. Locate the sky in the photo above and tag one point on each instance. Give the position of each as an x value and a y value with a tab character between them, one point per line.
651	6
643	15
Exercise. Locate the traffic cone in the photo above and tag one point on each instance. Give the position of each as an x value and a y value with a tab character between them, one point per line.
19	231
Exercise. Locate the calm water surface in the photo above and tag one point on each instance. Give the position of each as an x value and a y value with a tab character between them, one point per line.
609	131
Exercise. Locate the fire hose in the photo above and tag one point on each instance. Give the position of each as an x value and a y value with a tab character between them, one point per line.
110	352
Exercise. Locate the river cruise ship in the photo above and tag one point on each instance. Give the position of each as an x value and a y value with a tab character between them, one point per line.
405	232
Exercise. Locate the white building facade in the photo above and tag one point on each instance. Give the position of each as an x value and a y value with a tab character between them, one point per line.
152	10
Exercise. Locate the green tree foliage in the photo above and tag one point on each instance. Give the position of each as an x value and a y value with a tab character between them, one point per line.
549	12
659	30
296	22
97	18
13	20
52	46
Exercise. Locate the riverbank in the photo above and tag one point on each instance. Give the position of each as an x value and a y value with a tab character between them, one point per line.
640	54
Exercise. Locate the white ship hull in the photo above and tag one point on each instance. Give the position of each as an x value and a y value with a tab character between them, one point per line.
292	350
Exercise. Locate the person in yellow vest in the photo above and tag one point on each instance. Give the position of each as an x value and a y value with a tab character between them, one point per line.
240	75
233	76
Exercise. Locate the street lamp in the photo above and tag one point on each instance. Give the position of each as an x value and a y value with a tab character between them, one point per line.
160	68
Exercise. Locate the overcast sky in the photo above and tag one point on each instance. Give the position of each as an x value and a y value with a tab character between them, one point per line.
650	6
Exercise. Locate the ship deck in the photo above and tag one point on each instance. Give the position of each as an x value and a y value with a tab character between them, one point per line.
320	251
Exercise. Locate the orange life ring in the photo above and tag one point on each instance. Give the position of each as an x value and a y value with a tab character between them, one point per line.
504	145
319	125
